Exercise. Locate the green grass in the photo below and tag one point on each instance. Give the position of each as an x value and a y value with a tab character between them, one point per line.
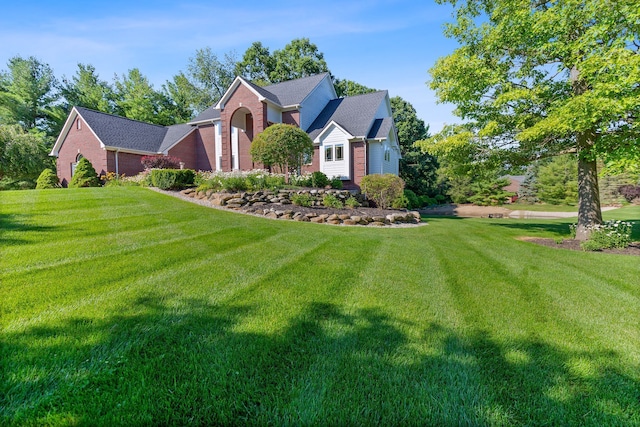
122	306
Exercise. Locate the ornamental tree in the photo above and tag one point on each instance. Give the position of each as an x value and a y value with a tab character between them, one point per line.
535	79
285	146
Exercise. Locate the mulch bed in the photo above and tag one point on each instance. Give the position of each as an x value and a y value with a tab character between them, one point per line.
574	245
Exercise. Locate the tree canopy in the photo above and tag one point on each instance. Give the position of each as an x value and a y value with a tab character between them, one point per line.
286	146
29	95
299	58
536	79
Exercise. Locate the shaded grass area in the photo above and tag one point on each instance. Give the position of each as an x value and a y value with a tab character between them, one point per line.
124	306
541	207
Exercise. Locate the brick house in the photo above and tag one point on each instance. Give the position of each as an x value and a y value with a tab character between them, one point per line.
353	136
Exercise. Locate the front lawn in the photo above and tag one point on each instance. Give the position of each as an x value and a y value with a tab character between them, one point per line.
122	306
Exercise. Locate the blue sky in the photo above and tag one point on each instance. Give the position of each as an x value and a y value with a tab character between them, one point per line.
384	44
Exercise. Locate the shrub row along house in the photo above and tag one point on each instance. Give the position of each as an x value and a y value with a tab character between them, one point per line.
353	136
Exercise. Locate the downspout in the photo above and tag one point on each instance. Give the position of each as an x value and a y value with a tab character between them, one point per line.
117	168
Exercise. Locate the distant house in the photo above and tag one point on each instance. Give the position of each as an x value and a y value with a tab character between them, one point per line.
515	181
353	136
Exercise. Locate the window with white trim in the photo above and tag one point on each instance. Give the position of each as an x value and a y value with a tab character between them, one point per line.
79	124
328	154
334	153
387	154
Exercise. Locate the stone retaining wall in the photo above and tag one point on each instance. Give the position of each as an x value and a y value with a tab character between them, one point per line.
278	205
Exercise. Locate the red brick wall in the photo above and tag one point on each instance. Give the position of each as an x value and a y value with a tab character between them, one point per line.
359	162
315	164
291	118
242	97
81	141
186	151
128	164
206	147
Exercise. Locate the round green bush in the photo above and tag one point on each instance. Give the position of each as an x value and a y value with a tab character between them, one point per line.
47	179
319	179
336	183
84	175
382	189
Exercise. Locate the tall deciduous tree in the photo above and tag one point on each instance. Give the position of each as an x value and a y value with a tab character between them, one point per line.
210	76
539	78
85	89
417	168
28	95
137	99
257	64
23	155
345	87
300	58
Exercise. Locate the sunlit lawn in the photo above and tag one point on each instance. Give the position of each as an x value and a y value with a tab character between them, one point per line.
122	306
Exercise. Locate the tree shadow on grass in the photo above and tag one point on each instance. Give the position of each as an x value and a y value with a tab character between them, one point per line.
178	361
12	223
535	228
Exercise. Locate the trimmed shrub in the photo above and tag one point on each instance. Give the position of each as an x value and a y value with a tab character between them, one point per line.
336	183
160	162
319	179
412	199
305	200
629	192
235	183
84	175
331	201
172	179
400	203
382	189
47	179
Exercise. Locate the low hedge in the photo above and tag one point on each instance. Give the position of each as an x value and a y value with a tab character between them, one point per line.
172	179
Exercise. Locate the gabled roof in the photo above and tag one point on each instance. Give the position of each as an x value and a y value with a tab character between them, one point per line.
120	133
380	128
208	115
286	94
355	114
293	92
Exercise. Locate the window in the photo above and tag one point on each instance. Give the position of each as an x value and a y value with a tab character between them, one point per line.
307	160
79	123
339	152
73	165
328	154
387	154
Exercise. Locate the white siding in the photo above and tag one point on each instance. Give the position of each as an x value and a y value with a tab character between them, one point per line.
332	137
273	115
384	109
315	102
376	156
218	145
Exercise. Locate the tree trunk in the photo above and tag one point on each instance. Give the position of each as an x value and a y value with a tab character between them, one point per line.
589	212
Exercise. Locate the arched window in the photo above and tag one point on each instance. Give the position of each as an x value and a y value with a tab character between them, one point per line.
73	165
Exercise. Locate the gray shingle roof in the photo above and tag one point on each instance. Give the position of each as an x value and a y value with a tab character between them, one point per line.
293	92
209	114
380	128
127	134
174	134
355	114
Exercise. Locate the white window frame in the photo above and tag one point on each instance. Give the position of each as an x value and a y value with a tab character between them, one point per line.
328	153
